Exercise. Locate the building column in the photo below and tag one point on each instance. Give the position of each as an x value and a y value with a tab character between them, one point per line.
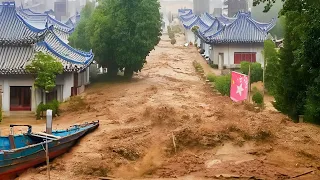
220	59
6	96
75	84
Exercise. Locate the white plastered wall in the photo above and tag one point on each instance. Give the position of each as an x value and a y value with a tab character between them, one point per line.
67	85
64	83
190	36
18	80
228	51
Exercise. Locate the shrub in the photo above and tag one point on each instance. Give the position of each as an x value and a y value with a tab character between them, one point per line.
54	106
272	57
214	66
173	41
39	110
194	28
256	71
222	84
169	29
171	35
211	77
75	103
255	89
257	98
176	29
244	67
197	66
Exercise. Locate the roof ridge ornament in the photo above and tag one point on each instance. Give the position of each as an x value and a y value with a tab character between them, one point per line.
9	3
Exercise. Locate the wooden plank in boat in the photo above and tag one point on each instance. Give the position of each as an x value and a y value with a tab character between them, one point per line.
49	135
43	137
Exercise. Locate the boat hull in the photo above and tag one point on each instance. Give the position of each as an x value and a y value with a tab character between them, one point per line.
16	166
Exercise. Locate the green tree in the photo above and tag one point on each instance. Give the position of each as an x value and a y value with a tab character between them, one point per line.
79	38
223	84
46	68
268	4
259	15
311	46
122	33
278	30
272	63
297	86
256	73
171	33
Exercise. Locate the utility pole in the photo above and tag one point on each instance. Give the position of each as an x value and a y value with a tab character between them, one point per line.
47	158
48	131
264	74
1	103
249	83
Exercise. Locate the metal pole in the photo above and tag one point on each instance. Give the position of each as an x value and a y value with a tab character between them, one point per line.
49	122
47	159
264	71
1	103
249	83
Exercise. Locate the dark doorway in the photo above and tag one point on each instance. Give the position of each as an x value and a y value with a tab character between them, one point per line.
20	98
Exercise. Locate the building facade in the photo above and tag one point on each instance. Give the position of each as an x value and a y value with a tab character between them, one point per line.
201	6
21	37
234	6
227	41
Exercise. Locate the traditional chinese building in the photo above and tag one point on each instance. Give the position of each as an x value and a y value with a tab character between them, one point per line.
230	40
40	21
21	36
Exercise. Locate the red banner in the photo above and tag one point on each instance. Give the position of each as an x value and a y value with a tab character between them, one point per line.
239	87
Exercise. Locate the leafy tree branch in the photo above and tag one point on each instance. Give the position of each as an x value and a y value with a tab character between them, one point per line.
46	68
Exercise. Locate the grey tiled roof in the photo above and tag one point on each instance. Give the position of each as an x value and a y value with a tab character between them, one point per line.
184	12
13	59
239	29
40	21
11	28
19	41
73	21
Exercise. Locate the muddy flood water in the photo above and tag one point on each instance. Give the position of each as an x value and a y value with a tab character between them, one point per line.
168	123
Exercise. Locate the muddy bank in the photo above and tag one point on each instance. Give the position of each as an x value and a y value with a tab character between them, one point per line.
167	123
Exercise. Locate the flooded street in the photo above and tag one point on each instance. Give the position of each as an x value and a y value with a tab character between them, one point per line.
168	123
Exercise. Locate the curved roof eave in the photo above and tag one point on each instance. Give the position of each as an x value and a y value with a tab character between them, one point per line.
28	9
31	27
266	26
209	15
202	37
216	34
187	18
88	59
193	22
86	54
58	22
63	26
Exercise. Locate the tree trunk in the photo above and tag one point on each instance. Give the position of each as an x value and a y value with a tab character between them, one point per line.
128	72
112	70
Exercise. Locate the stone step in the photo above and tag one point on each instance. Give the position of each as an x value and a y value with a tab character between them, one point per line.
19	114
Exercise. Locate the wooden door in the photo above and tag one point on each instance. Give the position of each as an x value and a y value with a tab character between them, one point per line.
20	98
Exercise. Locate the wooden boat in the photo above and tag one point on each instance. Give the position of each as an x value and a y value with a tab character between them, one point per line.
20	152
